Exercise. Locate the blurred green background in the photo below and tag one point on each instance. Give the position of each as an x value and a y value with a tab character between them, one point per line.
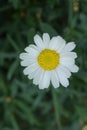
22	105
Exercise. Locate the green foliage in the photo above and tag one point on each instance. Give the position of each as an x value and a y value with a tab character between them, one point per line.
22	104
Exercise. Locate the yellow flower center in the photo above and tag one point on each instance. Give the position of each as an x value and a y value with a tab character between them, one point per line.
48	59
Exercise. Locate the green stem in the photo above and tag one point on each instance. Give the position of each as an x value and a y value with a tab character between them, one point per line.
57	114
70	15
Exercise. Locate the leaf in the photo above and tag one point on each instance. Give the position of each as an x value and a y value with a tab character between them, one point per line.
30	34
48	28
2	99
75	126
14	122
7	128
27	110
82	112
13	43
4	55
12	69
15	3
3	86
82	75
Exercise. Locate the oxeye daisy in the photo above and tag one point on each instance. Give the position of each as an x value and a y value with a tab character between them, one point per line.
49	61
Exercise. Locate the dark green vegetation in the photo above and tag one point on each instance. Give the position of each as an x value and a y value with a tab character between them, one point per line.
22	105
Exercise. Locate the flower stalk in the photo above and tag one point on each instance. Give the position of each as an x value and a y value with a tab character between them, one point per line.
56	108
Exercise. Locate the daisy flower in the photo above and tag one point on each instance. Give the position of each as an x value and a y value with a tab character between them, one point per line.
49	61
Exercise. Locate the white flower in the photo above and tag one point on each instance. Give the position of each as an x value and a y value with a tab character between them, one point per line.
50	60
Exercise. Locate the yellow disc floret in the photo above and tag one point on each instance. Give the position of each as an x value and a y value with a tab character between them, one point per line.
48	59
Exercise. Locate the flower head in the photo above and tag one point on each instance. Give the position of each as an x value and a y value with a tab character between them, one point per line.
49	60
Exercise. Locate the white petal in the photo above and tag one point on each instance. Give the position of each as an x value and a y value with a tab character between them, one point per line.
28	62
32	53
27	49
38	41
63	80
53	43
61	43
67	61
69	47
64	71
33	73
45	82
56	43
30	68
73	68
26	56
54	79
46	39
23	56
32	50
69	54
38	76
